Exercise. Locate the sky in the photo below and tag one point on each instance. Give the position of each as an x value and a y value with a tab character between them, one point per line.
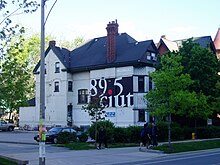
141	19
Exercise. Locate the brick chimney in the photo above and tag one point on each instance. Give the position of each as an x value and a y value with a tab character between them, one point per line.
52	43
112	32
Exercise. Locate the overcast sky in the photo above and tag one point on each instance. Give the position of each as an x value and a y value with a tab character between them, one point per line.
141	19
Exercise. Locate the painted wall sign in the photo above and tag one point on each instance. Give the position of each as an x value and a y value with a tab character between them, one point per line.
113	92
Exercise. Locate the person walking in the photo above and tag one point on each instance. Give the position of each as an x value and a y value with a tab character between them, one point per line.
154	134
102	138
145	136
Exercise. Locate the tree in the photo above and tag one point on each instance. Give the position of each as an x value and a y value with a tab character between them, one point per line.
170	89
7	29
203	67
95	109
14	77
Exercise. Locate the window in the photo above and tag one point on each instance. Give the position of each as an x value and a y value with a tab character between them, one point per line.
141	115
82	96
57	67
150	84
70	86
154	56
141	84
56	86
45	69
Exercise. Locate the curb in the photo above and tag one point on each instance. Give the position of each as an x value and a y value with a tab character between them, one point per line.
19	142
19	162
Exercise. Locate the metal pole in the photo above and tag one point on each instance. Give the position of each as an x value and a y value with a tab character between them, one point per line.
42	90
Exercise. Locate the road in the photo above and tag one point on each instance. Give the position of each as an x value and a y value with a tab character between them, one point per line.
205	157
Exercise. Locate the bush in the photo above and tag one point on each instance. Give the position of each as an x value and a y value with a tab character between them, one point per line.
208	132
66	137
133	134
120	135
83	137
109	127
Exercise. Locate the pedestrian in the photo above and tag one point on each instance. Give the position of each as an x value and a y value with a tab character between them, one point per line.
145	136
102	137
154	134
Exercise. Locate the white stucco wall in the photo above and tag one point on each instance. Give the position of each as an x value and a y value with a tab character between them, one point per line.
57	102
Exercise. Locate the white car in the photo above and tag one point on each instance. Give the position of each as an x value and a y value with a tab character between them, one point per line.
5	126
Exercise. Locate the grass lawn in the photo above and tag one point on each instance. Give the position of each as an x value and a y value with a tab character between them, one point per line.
175	147
6	162
189	146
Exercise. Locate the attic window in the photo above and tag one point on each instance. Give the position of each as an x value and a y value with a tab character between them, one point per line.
57	67
148	54
154	56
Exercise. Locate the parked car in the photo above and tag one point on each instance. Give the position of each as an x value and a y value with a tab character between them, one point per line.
52	134
6	126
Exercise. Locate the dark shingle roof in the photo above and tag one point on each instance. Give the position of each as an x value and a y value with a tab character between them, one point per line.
93	54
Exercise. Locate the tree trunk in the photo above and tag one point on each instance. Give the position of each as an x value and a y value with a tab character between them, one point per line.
95	130
9	118
169	131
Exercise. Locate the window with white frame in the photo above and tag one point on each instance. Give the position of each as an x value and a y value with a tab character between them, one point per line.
70	86
57	67
83	96
140	83
56	86
141	115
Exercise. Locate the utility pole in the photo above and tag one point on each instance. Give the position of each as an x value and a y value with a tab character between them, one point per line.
42	137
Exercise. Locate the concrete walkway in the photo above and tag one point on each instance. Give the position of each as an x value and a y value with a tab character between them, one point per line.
90	157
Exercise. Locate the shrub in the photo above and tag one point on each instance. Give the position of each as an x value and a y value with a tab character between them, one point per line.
66	137
109	127
83	137
120	135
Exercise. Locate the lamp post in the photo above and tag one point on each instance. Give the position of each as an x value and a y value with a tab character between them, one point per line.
42	90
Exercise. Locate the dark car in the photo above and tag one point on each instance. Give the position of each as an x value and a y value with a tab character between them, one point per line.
52	134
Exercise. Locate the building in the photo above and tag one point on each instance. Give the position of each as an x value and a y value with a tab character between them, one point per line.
165	45
217	43
115	68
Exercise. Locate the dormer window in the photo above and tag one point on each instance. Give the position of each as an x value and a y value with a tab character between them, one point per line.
153	55
57	67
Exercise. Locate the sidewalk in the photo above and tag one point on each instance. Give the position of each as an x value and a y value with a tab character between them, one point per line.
90	157
94	157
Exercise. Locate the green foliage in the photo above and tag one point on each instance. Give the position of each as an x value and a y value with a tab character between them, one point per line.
83	137
120	135
14	77
95	109
8	9
170	87
109	127
208	132
66	137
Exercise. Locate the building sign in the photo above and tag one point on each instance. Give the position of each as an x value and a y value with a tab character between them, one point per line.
113	92
110	114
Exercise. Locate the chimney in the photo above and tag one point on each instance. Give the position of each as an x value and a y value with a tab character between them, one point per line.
112	32
163	36
52	43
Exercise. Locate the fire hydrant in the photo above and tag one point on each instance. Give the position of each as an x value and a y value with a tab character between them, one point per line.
193	136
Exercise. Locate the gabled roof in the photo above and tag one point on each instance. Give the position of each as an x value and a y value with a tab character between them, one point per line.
217	40
204	42
62	54
93	54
